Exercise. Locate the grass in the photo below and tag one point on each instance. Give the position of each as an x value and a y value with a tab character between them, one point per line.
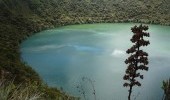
9	91
30	91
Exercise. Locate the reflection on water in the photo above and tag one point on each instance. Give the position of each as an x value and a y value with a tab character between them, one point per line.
62	56
118	53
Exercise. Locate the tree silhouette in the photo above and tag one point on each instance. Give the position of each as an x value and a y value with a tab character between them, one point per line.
138	58
166	88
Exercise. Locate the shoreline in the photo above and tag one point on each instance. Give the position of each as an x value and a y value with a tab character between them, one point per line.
26	31
107	23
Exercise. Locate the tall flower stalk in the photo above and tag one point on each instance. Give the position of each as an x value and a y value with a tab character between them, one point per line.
138	59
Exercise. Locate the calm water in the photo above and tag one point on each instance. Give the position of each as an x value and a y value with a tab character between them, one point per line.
64	55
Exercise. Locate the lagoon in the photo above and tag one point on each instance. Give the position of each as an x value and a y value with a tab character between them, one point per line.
64	55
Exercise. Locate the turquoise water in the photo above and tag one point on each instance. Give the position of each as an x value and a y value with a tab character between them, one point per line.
64	55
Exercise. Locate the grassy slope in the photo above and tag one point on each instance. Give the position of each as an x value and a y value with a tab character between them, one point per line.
21	18
18	21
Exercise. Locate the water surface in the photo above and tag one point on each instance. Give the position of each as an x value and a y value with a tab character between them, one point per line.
64	55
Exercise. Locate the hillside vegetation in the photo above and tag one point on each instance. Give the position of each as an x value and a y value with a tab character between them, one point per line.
21	18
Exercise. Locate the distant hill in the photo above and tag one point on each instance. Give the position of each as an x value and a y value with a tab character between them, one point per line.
21	18
57	12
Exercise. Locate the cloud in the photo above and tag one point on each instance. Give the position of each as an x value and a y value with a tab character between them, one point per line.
44	47
118	53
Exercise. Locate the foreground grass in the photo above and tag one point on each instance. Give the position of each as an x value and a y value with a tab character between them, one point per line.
9	91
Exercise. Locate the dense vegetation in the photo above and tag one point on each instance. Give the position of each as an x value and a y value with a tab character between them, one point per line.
21	18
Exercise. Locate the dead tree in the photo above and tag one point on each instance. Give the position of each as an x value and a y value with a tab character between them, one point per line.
138	59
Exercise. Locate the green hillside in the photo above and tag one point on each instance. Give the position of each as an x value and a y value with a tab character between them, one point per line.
21	18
